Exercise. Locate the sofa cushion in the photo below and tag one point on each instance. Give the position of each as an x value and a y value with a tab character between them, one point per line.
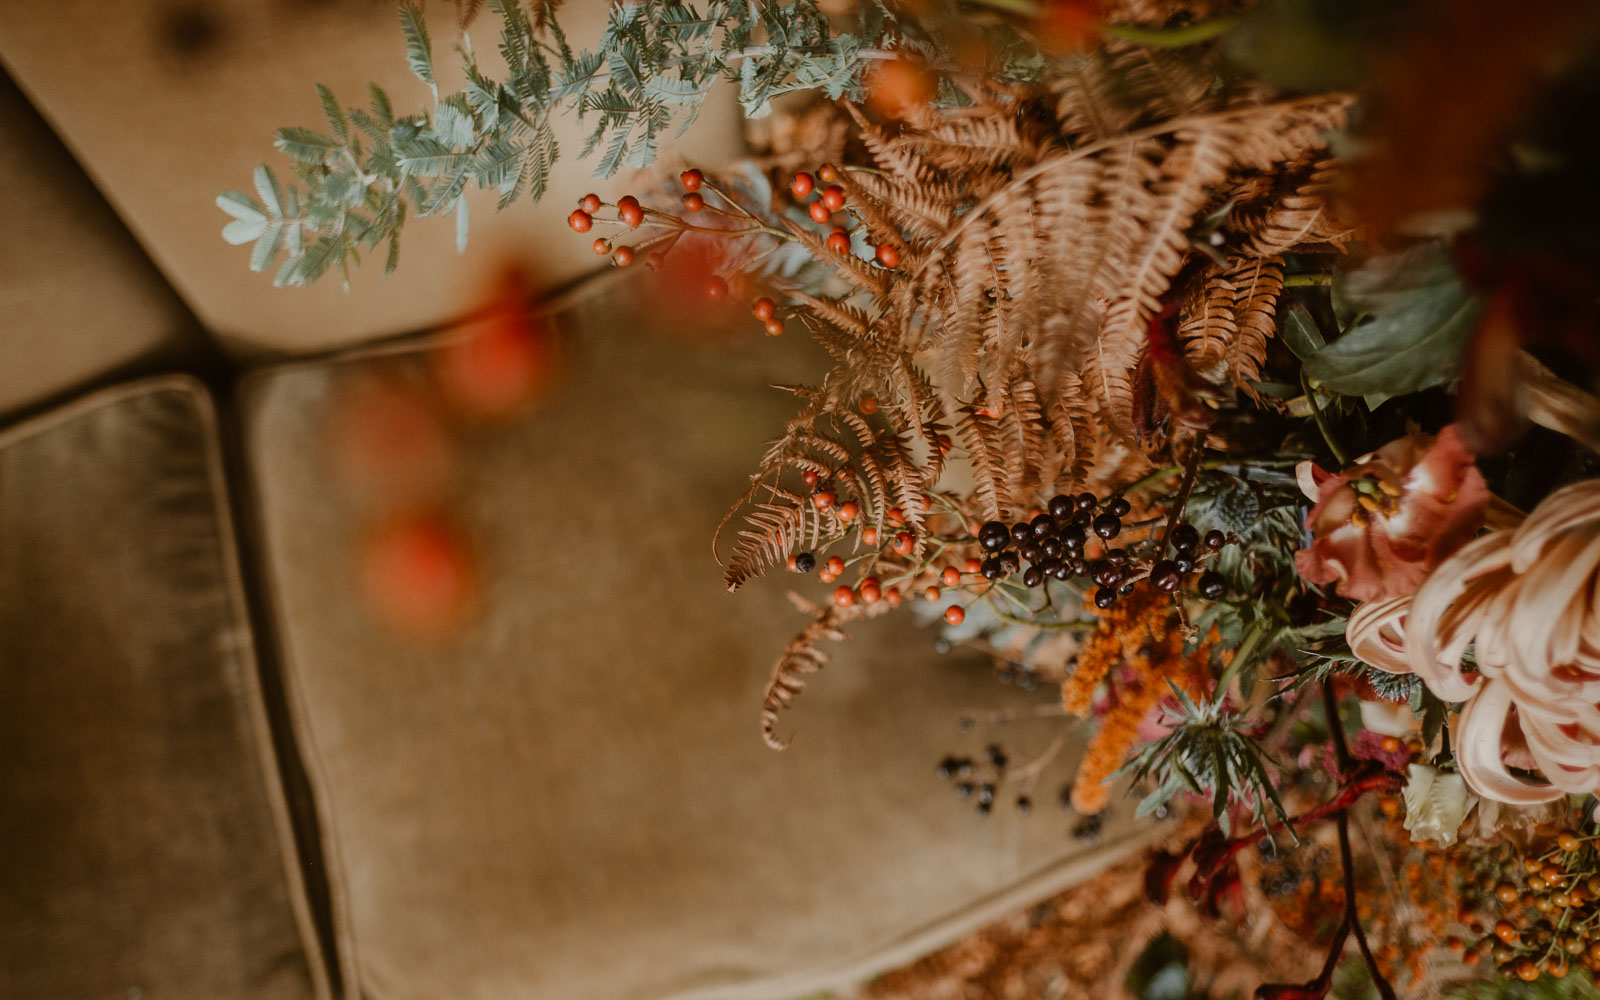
199	88
568	797
140	827
80	299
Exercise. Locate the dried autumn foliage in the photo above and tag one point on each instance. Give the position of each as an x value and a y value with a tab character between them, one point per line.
1073	268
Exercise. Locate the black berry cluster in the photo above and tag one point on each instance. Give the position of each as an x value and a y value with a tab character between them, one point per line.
1057	544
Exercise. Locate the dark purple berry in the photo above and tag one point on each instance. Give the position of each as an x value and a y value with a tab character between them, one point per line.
1051	547
997	756
992	569
1073	537
1104	598
1021	532
1032	576
1214	539
1064	570
1185	563
985	794
963	789
1060	505
1108	526
1212	586
1127	589
985	808
1043	526
993	536
1085	501
946	769
1119	506
805	562
1165	576
1107	574
1050	566
1185	537
1118	556
1031	553
1024	804
1009	561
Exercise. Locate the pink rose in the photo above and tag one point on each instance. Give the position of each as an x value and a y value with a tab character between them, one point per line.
1381	525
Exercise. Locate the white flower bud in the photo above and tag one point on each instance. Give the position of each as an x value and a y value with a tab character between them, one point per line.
1436	803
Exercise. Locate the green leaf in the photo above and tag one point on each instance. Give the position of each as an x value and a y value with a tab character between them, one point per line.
330	110
267	188
243	230
304	144
240	206
419	49
266	247
453	125
1421	317
1300	332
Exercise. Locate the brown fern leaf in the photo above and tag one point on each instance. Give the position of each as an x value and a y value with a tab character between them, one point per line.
1208	327
802	657
1297	217
1023	434
1259	285
986	454
1072	437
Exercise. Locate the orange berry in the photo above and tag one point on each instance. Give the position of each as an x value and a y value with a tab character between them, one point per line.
764	309
932	594
827	577
954	615
951	576
871	593
602	246
623	256
848	511
692	179
693	201
869	536
810	477
716	288
819	213
580	221
1472	958
1569	842
1554	875
630	211
896	515
844	597
828	172
790	564
868	405
835	565
892	595
1505	932
973	565
801	184
1531	865
1391	745
904	542
774	327
1507	892
833	197
1527	970
591	203
823	499
838	240
888	256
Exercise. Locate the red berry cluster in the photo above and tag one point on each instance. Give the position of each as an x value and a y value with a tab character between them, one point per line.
833	198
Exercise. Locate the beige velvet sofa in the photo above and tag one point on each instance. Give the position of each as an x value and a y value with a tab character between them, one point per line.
220	779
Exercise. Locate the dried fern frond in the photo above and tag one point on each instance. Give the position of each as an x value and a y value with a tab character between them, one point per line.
802	657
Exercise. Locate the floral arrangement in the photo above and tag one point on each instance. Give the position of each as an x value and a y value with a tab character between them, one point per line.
1211	388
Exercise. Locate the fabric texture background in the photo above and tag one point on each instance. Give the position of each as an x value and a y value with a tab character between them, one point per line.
80	300
569	798
139	830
